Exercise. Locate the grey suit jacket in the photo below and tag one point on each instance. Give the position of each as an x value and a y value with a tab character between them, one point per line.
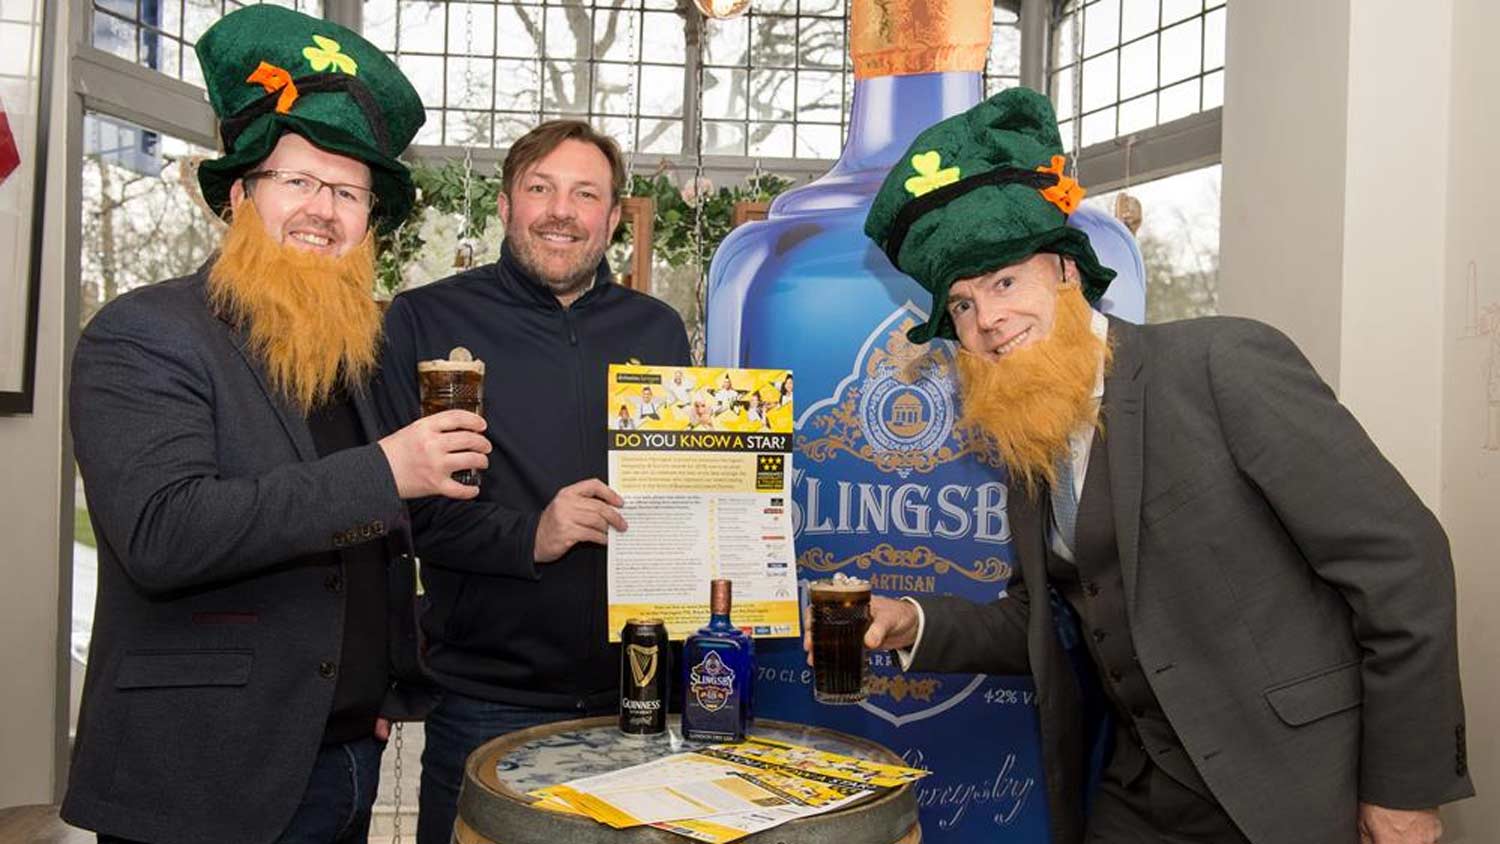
1291	600
216	639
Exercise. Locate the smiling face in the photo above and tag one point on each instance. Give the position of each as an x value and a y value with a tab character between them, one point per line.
319	223
700	414
559	215
1009	308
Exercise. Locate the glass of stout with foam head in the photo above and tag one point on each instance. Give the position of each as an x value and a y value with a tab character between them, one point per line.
453	384
840	617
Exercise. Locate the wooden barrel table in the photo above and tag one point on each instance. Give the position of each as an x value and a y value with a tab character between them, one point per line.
493	806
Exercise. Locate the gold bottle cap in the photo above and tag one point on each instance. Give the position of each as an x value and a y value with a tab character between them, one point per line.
902	37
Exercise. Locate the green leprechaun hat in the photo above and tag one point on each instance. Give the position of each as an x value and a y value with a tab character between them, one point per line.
271	70
979	191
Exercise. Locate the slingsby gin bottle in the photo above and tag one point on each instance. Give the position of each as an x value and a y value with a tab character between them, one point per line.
718	673
884	485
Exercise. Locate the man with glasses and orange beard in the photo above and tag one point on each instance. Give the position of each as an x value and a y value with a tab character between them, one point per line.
1266	605
255	625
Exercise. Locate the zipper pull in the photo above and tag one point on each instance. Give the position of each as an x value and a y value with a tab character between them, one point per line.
572	331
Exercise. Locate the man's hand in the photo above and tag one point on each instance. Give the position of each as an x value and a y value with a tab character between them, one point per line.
583	512
425	454
893	625
1379	825
382	729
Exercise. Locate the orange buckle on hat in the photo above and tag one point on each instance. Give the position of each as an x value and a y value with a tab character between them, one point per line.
1067	193
273	79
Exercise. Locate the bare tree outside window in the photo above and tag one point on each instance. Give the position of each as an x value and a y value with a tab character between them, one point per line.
142	219
1179	241
489	71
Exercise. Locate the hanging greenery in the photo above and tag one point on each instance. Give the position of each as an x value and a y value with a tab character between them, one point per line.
440	213
673	238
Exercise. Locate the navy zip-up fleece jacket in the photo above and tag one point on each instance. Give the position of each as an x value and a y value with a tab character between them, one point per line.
499	626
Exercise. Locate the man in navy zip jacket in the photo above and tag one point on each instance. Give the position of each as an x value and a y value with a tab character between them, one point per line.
515	626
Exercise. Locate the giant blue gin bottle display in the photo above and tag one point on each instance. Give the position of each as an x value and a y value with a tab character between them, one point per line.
885	486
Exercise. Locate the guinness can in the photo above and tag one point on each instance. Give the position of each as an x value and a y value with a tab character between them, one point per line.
644	674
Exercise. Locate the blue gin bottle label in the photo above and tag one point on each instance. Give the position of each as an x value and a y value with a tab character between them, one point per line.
711	683
715	706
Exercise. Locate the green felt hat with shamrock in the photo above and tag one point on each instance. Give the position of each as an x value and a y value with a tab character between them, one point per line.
271	70
979	191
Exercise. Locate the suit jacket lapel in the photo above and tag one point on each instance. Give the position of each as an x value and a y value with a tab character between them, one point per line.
1028	528
1124	414
292	420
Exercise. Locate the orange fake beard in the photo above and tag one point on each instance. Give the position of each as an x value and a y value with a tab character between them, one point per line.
310	318
1030	401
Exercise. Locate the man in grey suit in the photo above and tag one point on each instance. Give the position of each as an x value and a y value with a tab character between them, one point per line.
1204	534
255	625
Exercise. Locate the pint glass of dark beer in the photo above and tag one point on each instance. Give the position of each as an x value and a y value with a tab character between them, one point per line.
453	384
840	616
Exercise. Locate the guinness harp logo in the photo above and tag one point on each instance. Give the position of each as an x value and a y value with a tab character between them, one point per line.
642	663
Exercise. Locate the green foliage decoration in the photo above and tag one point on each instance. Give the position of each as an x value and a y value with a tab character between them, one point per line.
675	223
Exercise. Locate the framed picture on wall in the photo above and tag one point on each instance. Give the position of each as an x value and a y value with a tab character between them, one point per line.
25	71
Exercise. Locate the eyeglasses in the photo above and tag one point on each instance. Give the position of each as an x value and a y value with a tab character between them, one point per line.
305	186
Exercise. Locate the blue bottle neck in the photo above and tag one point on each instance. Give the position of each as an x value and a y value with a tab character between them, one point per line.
720	623
890	111
887	114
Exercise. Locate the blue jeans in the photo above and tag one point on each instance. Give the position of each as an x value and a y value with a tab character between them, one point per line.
335	808
455	729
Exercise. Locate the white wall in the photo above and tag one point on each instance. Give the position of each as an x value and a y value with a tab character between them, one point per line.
1355	199
1470	489
1395	212
31	651
1280	244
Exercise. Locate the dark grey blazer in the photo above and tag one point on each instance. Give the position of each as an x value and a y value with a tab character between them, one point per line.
1291	599
216	639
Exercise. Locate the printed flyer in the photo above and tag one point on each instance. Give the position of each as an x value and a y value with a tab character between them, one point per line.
725	792
702	457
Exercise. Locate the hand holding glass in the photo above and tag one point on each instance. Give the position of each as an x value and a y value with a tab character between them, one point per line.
453	384
840	611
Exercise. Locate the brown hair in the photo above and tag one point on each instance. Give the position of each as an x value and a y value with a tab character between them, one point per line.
541	141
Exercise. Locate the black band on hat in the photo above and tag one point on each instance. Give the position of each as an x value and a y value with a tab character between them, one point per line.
317	83
935	199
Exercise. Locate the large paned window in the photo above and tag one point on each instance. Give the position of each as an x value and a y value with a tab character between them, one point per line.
776	81
160	34
1003	66
1144	63
489	71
